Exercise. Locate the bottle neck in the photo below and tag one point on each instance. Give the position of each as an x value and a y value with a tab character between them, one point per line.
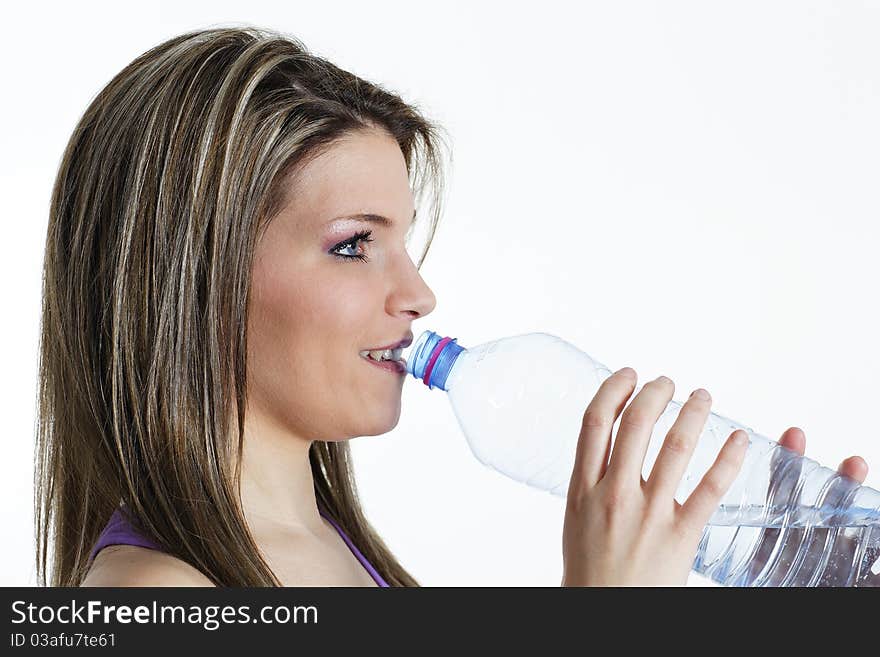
432	358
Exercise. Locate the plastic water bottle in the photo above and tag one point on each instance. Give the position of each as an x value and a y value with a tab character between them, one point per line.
785	521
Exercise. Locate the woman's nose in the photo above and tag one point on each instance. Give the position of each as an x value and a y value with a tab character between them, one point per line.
412	295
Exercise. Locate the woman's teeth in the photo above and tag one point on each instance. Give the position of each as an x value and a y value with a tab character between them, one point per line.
387	354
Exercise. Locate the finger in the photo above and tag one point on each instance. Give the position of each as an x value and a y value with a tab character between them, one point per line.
794	439
636	427
854	467
594	442
783	486
785	470
679	445
705	498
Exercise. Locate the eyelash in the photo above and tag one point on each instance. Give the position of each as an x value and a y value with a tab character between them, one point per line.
362	236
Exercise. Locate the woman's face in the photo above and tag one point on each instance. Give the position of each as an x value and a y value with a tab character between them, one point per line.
312	310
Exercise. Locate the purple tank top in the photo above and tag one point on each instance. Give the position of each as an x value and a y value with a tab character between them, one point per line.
119	531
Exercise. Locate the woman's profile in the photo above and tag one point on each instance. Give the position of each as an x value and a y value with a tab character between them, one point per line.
226	262
205	263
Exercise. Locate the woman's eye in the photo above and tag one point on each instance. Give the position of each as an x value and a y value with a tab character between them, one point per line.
352	243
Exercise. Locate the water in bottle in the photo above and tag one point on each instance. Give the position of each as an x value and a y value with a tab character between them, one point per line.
785	521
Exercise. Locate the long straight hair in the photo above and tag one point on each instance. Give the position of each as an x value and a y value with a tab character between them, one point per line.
163	191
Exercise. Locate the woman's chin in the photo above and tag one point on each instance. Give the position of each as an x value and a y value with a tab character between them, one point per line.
381	422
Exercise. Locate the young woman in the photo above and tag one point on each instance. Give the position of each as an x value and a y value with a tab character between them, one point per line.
227	242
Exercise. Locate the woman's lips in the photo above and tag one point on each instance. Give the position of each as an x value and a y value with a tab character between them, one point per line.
402	344
393	366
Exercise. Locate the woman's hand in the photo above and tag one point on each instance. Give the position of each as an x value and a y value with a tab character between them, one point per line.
621	530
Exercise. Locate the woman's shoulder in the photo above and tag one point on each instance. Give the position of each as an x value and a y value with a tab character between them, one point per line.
130	566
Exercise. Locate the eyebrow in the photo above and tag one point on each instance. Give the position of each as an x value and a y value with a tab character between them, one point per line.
373	218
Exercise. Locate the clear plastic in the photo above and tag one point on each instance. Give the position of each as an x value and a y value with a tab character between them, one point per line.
785	521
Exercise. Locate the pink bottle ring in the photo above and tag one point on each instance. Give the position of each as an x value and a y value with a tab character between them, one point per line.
435	354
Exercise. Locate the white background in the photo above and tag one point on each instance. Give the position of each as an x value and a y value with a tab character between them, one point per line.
688	188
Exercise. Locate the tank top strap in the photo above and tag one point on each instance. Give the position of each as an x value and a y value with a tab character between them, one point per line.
351	546
120	531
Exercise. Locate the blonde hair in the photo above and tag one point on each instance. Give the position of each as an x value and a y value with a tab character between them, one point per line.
163	190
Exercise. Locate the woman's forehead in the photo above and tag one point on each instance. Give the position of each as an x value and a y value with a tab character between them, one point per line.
361	178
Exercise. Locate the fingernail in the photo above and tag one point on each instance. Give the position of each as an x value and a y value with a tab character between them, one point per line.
663	379
699	393
740	438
